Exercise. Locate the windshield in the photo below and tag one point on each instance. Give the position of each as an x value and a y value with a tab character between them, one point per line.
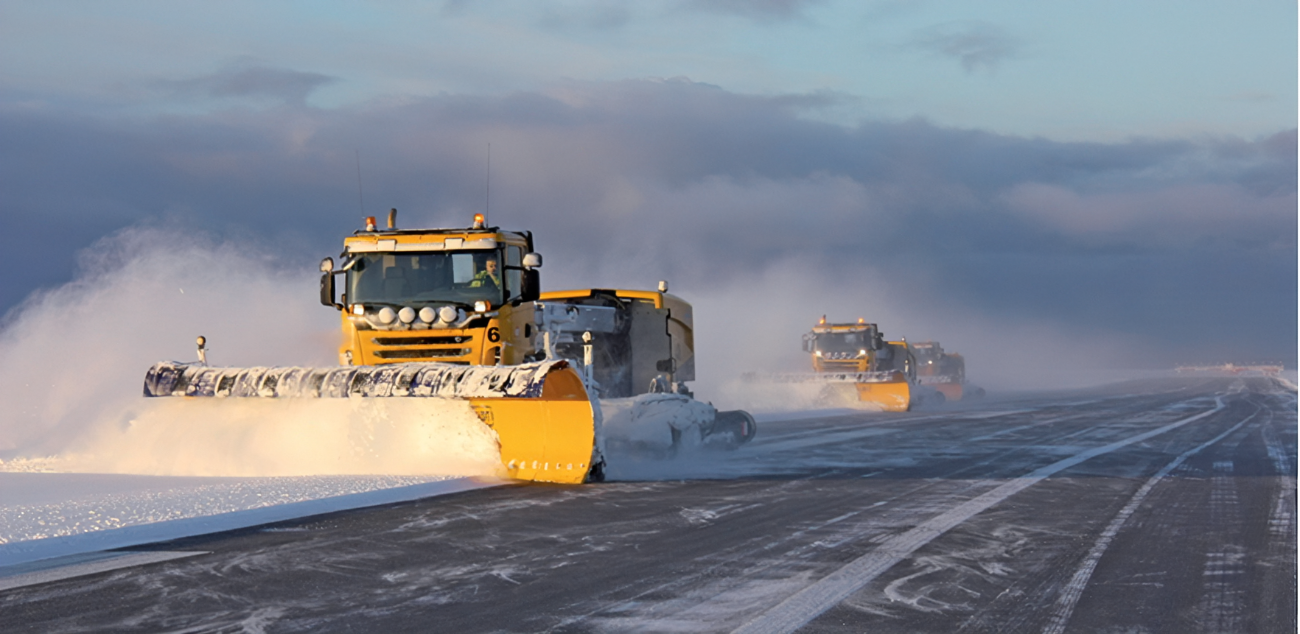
459	277
926	353
844	341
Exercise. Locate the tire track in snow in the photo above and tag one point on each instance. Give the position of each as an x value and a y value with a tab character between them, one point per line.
809	603
1073	590
1222	606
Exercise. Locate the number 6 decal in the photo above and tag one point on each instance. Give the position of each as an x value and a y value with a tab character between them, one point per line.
494	334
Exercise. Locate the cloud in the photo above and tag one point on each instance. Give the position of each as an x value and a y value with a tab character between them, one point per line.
626	183
977	45
597	16
247	80
761	10
1189	214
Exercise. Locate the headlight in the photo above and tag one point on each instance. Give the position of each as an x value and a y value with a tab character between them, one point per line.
428	315
407	314
481	306
862	353
387	315
448	313
817	352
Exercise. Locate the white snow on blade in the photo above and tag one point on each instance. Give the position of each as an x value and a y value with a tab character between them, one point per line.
650	419
486	381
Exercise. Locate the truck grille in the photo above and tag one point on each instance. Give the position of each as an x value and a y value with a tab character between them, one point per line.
421	341
840	366
442	348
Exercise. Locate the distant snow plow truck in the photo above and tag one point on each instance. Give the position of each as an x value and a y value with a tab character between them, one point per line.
853	362
441	315
943	371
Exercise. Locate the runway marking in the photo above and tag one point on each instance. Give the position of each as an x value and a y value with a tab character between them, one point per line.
1069	597
807	604
83	568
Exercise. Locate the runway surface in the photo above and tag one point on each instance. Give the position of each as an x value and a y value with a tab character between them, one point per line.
1155	506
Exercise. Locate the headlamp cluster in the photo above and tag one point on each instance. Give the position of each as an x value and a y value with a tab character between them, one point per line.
408	318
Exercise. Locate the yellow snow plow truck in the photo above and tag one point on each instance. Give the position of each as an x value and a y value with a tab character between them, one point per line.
943	371
855	357
441	315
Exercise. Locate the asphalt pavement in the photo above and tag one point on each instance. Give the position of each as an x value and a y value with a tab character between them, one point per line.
1154	506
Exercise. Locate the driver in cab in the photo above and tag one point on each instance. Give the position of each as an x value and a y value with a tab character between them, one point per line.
489	276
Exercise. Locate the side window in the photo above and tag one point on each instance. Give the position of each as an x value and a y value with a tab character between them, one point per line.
514	272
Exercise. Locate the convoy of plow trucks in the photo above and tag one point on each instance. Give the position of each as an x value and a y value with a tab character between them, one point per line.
457	317
854	363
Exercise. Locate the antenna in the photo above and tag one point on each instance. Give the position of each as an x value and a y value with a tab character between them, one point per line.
360	199
487	185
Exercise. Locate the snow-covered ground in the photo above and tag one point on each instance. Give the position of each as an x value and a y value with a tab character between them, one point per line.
52	515
49	513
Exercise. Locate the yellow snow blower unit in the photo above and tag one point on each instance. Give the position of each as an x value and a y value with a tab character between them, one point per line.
638	348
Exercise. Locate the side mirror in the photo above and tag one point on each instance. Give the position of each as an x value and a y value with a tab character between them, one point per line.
327	291
532	261
532	289
807	343
327	265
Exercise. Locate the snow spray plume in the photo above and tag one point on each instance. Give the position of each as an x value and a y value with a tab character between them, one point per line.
72	362
754	324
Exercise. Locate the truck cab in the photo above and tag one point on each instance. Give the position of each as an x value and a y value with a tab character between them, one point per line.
460	296
843	347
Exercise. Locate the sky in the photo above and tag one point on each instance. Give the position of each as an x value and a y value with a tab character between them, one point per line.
1041	186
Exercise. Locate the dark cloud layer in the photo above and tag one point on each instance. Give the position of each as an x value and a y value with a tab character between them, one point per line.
1185	246
284	86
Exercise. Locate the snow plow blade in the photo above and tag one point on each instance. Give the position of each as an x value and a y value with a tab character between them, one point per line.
541	412
891	396
890	391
